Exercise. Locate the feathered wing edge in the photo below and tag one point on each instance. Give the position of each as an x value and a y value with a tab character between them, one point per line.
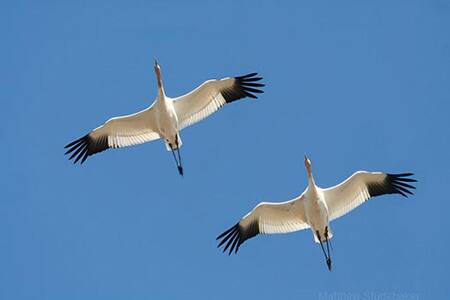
244	86
393	184
236	235
86	146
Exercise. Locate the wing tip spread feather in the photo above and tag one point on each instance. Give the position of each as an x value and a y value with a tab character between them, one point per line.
236	235
399	183
393	184
244	86
85	146
229	236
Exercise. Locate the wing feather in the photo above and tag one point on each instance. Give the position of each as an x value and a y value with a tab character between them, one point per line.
117	132
265	218
210	96
362	186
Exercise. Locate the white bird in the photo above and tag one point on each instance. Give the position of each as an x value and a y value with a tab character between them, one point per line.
165	117
315	208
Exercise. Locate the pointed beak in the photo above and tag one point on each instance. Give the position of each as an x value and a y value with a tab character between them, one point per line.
156	63
307	163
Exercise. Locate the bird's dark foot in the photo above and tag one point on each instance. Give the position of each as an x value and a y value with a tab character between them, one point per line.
329	263
180	170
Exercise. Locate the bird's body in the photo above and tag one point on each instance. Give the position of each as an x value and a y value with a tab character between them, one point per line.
166	117
316	212
315	208
167	122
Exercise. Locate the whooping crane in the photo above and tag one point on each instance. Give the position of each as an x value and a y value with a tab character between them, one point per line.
165	117
315	208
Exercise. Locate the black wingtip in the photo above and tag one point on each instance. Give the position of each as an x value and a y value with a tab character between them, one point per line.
401	183
247	75
86	146
245	86
250	86
226	232
74	142
78	149
230	238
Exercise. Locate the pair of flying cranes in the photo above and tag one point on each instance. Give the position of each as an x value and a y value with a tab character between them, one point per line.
315	208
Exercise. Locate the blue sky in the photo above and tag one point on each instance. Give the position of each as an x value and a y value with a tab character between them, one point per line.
354	84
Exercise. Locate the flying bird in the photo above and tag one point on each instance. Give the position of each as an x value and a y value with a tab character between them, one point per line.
166	117
315	208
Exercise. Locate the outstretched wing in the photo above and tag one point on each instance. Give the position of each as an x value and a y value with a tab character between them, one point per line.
212	95
265	218
361	186
117	132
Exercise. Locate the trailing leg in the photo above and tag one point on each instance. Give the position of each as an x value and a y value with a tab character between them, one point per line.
328	249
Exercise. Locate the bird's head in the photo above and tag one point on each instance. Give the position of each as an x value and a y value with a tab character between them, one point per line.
308	165
158	73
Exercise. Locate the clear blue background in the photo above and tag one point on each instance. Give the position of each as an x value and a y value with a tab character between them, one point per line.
354	84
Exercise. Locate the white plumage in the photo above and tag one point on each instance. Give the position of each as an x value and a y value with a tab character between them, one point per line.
314	208
165	117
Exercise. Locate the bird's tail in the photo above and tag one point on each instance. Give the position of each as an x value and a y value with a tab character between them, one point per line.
330	235
174	145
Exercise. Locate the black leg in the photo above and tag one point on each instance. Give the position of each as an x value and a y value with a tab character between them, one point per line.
176	161
328	249
321	245
180	166
331	246
174	157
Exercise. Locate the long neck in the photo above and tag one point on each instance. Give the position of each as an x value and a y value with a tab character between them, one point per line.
311	183
161	94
